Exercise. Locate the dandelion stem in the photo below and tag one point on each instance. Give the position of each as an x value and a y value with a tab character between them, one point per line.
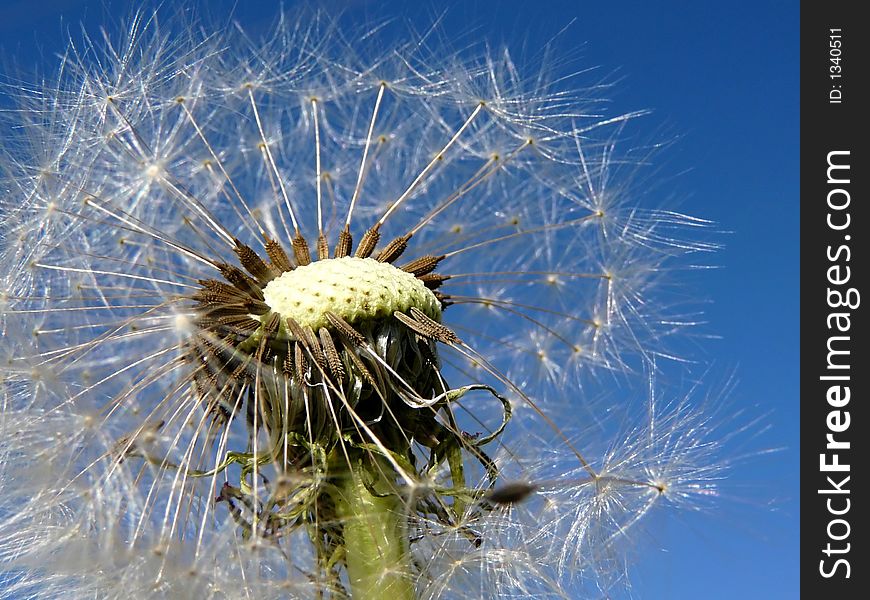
375	532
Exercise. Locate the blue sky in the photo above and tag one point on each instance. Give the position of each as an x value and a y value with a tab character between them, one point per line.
722	81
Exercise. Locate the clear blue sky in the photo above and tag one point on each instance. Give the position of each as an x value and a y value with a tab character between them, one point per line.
722	80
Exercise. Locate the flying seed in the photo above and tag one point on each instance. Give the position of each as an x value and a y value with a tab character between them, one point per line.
423	265
368	242
333	360
225	293
350	352
345	329
439	332
239	279
295	329
257	307
394	249
433	281
277	255
322	247
511	493
239	323
300	250
240	372
253	264
288	365
299	362
345	243
271	324
314	347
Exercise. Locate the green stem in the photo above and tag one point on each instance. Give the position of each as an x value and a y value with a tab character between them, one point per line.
375	534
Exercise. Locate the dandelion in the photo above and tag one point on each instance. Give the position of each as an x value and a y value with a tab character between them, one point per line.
298	317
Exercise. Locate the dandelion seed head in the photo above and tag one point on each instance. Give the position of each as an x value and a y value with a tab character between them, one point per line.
257	284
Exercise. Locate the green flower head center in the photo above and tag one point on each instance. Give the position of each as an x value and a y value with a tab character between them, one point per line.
356	289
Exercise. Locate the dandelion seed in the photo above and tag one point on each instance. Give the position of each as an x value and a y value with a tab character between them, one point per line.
270	309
